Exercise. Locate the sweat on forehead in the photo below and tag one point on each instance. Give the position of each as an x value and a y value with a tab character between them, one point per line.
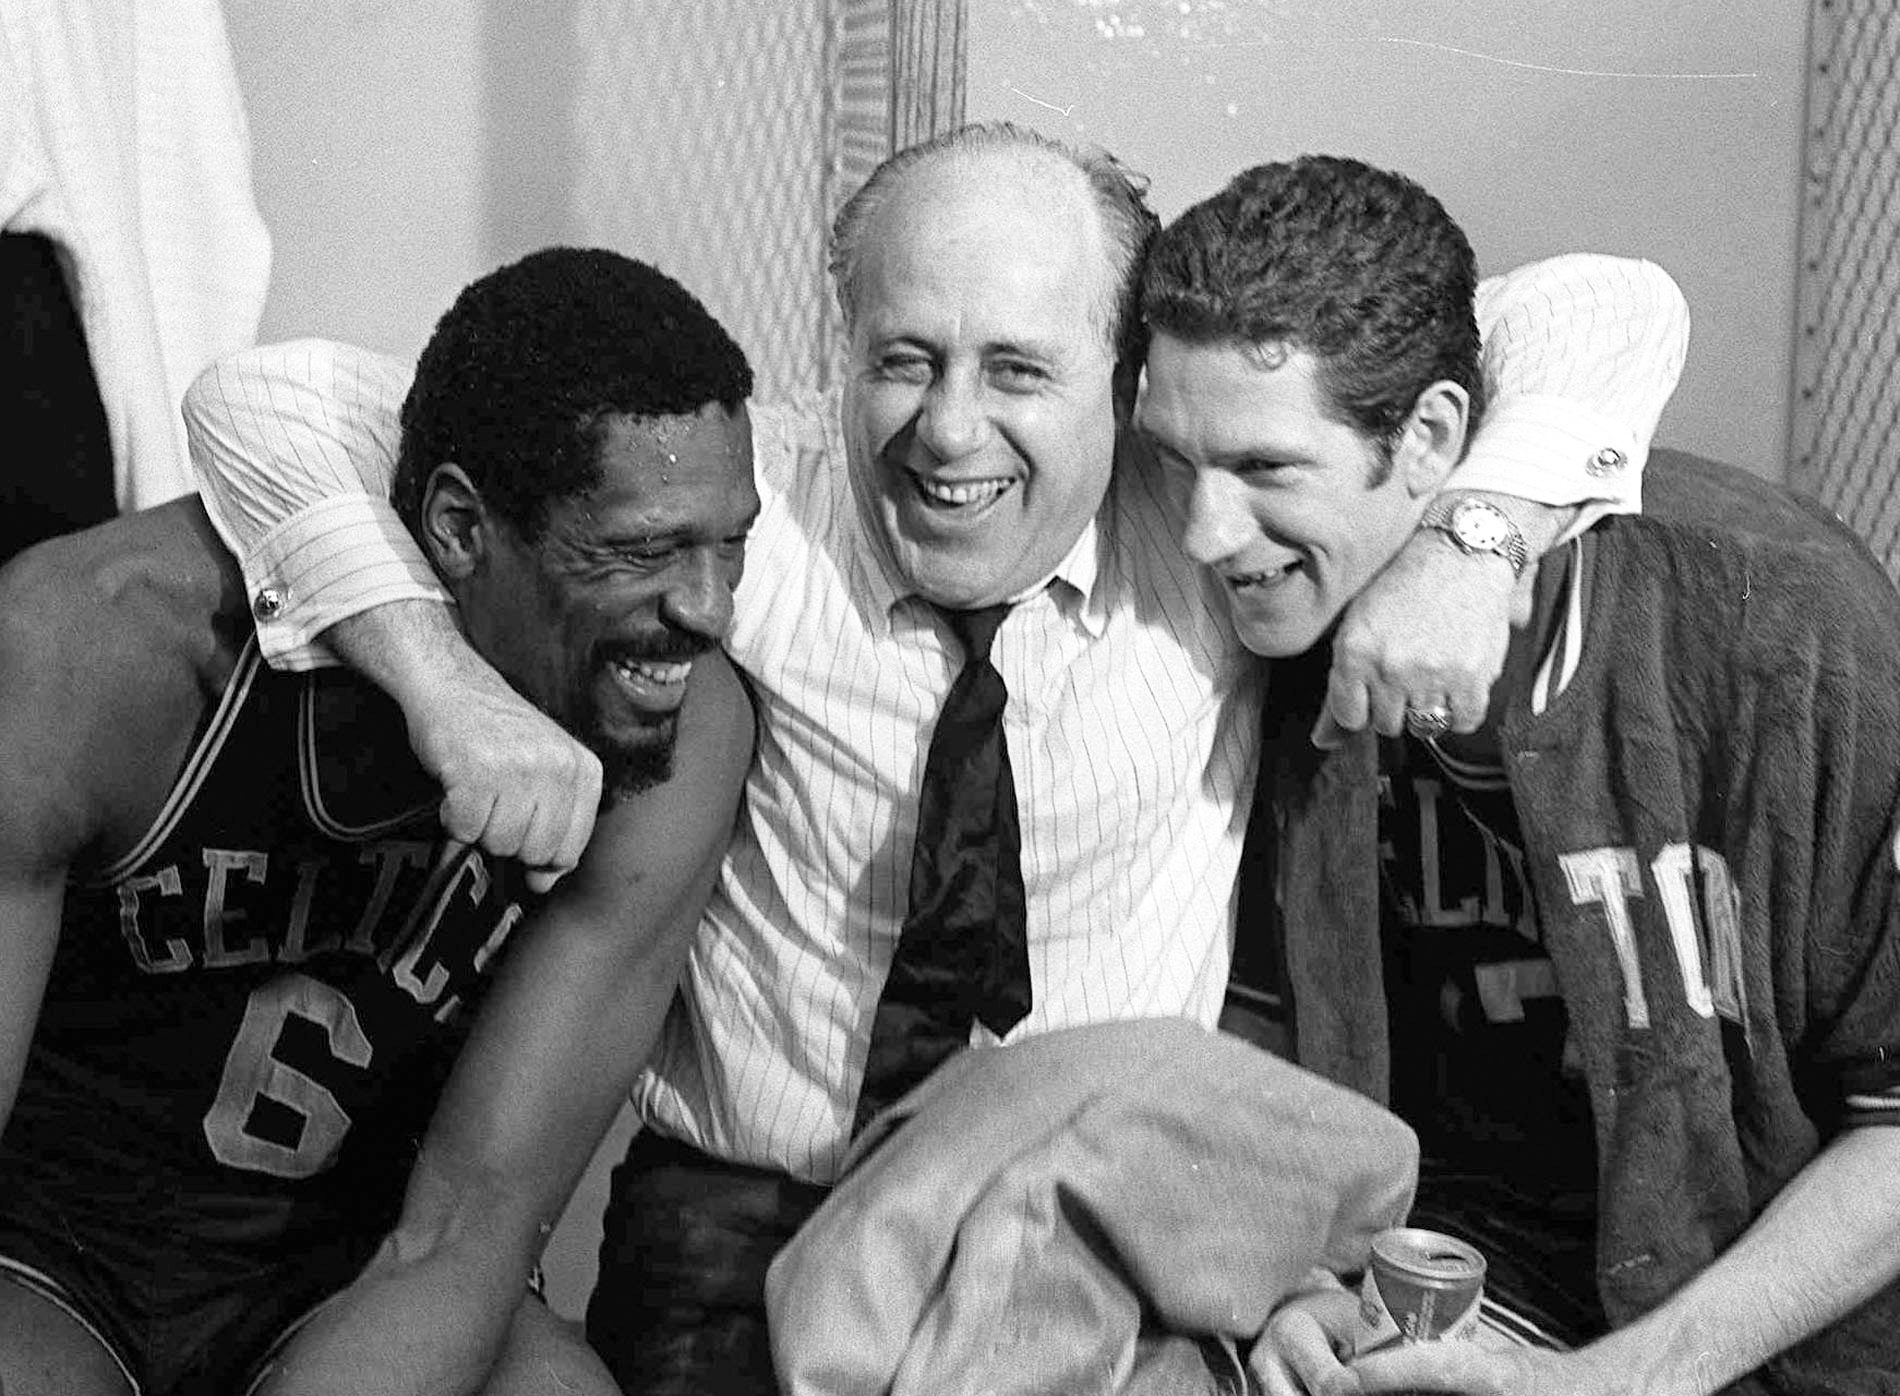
664	431
531	357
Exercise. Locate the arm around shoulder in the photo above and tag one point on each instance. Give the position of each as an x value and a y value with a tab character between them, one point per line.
294	449
1582	353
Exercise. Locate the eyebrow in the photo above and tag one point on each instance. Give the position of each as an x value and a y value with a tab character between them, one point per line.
1226	460
1019	348
670	532
660	532
1278	455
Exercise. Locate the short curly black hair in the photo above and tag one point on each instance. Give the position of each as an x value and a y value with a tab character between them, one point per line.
1358	266
516	382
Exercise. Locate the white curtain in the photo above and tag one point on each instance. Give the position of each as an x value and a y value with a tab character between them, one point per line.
123	139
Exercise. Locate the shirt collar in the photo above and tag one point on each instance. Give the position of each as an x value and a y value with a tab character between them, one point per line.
1075	584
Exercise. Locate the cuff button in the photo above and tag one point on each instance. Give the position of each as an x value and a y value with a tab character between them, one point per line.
268	604
1606	462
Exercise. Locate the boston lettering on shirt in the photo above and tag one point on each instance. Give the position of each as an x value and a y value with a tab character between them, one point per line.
1482	1066
280	971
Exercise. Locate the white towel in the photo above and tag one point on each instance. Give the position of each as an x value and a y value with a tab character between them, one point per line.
123	139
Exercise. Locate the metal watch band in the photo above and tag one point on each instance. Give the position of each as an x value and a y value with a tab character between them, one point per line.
1511	547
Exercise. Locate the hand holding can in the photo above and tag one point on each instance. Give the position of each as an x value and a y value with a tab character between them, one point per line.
1420	1287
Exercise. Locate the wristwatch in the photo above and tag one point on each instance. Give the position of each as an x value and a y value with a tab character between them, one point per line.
1478	527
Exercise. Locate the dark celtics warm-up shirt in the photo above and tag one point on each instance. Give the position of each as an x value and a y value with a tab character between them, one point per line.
251	1013
1705	779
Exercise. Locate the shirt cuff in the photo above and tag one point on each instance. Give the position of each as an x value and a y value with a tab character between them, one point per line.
334	559
1552	451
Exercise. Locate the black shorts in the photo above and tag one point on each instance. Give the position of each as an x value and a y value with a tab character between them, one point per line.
190	1311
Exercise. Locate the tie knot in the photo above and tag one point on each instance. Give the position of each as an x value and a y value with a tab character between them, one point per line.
975	630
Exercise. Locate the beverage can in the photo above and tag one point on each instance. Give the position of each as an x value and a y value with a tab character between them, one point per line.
1420	1287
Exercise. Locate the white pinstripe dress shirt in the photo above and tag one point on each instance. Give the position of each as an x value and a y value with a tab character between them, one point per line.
1132	727
1132	720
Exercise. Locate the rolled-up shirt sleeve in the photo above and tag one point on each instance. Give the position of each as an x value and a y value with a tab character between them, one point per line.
1581	354
294	446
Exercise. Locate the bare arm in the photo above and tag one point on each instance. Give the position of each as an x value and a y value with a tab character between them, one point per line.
574	1015
1581	354
1829	1241
29	932
45	817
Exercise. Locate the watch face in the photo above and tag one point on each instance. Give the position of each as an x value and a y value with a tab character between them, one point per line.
1479	527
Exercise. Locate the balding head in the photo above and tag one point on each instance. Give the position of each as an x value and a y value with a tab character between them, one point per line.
983	288
1003	161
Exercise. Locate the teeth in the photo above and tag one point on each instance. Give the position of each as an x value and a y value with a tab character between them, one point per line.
654	672
963	491
1255	579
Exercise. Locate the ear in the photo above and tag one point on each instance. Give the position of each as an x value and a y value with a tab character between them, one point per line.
456	525
1432	441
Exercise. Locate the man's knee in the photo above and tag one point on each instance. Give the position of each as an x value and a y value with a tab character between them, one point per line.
546	1356
44	1351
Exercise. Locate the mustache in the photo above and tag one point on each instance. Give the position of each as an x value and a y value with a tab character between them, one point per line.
667	647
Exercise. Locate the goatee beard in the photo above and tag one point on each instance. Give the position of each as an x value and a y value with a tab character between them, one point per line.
629	770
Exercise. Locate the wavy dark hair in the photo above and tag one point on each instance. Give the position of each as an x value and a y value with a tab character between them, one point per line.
1358	266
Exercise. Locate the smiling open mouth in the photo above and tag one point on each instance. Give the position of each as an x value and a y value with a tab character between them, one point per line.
1248	581
650	676
654	672
962	494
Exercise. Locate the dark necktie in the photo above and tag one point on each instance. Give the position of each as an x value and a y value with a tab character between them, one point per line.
963	953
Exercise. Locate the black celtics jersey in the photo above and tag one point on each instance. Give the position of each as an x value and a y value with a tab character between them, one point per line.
251	1013
1507	1149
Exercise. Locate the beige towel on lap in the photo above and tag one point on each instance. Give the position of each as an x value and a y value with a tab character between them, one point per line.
1030	1215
